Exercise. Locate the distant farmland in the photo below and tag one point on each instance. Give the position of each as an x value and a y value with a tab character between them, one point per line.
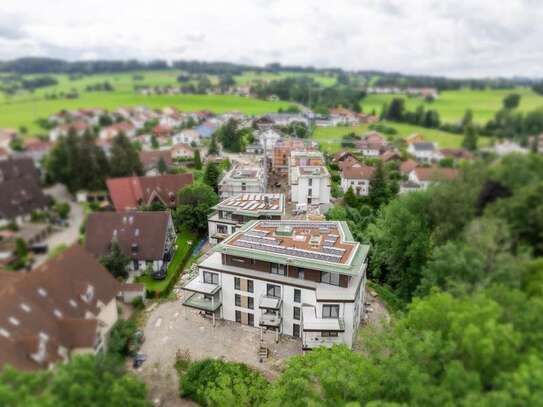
451	105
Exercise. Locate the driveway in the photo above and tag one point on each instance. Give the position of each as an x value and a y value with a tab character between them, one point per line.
63	235
170	327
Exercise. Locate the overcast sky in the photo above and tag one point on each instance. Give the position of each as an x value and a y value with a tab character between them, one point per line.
440	37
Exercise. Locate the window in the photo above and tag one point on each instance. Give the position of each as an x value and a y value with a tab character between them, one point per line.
296	315
237	298
309	192
330	278
250	303
310	181
297	295
330	311
296	330
238	316
250	286
273	290
328	334
278	269
243	186
250	319
237	283
211	278
222	229
301	273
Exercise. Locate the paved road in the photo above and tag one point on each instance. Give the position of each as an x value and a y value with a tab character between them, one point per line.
70	234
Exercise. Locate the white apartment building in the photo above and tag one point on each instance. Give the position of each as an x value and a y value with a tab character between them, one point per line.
243	179
425	152
231	214
309	179
300	278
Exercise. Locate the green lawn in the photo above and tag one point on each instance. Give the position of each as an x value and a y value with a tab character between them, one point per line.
183	247
451	105
330	137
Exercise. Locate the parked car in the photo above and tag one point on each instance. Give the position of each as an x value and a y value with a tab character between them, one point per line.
39	248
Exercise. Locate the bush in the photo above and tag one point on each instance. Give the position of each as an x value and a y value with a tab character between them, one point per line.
138	303
218	383
121	336
182	361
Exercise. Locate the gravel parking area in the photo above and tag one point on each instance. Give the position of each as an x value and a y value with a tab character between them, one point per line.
171	327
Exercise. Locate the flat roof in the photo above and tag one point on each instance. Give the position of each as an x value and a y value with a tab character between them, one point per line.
312	323
320	245
254	204
243	172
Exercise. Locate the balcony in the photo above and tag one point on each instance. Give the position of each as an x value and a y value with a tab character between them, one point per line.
270	320
310	322
270	303
204	302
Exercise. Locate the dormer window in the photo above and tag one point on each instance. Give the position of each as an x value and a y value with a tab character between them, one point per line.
25	307
42	292
57	313
4	333
13	321
73	303
89	294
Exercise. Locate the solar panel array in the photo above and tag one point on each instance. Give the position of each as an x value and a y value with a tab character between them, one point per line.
302	225
268	246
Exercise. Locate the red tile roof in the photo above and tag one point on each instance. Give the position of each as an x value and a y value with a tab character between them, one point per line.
129	193
358	171
436	173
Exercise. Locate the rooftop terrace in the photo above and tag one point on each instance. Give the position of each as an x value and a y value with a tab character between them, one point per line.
326	246
254	204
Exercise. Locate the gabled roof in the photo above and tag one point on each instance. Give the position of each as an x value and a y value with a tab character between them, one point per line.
424	146
358	171
19	188
407	166
54	306
129	193
150	159
141	235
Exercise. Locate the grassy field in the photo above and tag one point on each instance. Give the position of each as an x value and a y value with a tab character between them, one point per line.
330	137
251	76
451	105
26	112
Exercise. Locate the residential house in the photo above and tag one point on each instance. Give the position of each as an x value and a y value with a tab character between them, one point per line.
390	155
130	193
65	307
373	144
186	136
344	117
299	278
150	160
425	152
232	213
357	177
162	130
206	129
6	136
426	176
62	130
110	132
243	178
344	159
254	148
35	149
182	152
509	147
457	153
20	190
407	166
414	138
285	119
147	238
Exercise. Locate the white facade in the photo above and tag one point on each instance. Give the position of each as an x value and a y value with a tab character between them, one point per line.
299	314
425	152
267	139
360	186
310	185
243	179
187	136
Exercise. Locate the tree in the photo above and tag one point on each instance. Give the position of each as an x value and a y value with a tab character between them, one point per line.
115	261
230	137
350	198
396	109
161	166
120	337
211	176
86	380
511	101
217	383
470	138
194	205
213	146
467	120
124	159
197	159
154	142
379	190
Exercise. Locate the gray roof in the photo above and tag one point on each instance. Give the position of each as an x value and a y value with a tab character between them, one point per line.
424	146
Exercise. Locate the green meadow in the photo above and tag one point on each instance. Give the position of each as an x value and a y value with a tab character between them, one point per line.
452	105
330	137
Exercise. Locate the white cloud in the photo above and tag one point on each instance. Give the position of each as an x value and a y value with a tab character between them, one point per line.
439	37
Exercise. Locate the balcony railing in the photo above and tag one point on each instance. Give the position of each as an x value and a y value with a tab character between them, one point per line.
270	320
203	302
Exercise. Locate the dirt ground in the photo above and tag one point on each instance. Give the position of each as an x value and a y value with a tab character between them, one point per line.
171	327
